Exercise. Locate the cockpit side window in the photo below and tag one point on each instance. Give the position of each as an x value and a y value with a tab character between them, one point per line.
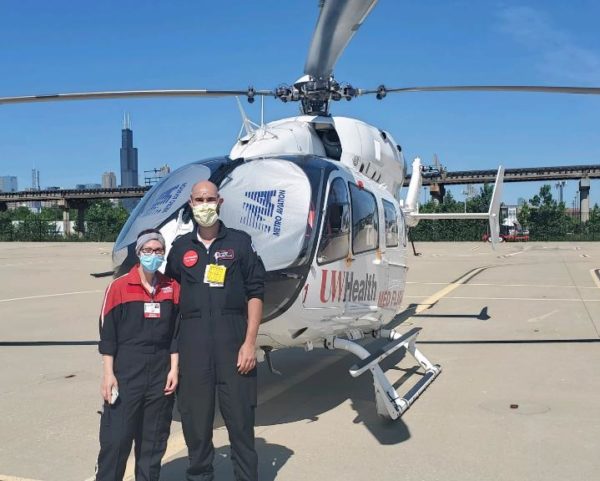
365	223
335	240
391	224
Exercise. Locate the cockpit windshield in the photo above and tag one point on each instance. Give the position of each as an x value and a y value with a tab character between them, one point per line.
164	199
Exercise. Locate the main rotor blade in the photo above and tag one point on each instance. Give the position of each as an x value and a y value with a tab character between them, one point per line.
487	88
132	94
338	22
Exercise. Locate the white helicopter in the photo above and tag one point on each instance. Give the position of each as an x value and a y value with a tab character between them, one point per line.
320	196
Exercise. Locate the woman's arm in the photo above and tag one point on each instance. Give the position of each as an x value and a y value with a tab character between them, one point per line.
173	376
108	377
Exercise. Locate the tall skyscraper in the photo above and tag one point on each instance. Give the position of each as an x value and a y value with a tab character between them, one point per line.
36	205
129	162
109	180
35	179
8	183
129	156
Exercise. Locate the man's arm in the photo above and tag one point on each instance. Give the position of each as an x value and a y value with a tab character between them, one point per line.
172	269
254	284
247	354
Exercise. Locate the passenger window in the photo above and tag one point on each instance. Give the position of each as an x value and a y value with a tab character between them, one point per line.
335	241
391	224
365	225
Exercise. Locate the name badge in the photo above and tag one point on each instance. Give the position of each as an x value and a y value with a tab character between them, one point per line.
151	309
214	275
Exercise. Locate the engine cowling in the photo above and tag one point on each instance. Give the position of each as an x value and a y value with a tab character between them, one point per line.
355	144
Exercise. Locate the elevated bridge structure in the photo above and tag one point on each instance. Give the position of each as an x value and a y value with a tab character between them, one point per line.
69	199
437	180
529	174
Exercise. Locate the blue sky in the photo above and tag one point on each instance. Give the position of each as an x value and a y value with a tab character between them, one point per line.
64	46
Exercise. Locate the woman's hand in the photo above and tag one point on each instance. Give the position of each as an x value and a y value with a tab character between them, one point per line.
108	382
172	380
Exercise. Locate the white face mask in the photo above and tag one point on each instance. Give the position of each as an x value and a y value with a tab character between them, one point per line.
206	214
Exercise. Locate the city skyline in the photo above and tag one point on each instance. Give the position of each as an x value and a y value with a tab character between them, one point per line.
4	181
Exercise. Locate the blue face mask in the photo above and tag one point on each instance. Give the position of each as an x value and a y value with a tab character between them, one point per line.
151	262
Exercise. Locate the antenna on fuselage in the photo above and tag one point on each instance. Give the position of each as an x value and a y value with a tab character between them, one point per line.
247	124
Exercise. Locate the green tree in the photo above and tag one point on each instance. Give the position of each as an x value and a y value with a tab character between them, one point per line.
453	230
22	213
482	201
592	227
104	220
50	214
547	219
523	215
6	226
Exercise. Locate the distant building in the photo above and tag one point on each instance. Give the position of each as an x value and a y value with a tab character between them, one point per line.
8	183
87	186
154	175
35	179
129	162
129	156
109	180
34	206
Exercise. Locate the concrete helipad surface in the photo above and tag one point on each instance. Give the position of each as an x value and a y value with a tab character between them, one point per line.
516	331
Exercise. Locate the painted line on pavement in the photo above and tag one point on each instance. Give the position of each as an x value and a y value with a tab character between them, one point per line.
431	300
593	340
43	296
6	477
513	254
483	284
510	299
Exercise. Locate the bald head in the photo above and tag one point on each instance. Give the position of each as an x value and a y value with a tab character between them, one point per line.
204	191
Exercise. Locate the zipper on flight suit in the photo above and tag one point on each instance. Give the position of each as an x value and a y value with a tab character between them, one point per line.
210	314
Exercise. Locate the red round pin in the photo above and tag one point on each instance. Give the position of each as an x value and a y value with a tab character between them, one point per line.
190	258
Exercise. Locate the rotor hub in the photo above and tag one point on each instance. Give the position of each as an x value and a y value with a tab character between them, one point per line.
315	94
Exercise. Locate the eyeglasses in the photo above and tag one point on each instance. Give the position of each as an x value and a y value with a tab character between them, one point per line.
147	251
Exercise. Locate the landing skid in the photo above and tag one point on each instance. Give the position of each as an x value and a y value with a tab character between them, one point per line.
389	403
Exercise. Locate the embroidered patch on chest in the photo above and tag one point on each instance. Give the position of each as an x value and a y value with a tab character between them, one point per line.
225	254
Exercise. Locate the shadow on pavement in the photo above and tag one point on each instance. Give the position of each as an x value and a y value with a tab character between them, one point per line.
326	390
271	457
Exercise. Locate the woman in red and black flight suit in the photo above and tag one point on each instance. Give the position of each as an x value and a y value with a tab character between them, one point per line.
139	352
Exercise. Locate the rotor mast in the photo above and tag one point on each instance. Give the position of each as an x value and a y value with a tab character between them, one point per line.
338	21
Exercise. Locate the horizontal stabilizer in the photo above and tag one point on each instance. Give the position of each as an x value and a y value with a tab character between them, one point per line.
493	214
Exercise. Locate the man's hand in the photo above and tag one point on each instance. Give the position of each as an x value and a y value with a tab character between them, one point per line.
108	381
246	358
172	380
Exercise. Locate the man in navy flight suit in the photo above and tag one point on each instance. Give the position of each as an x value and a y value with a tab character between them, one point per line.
222	285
